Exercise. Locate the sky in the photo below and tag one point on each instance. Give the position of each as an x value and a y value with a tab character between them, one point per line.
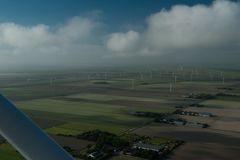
81	33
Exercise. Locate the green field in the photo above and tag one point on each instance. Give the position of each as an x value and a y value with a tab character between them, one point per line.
82	116
7	152
104	97
222	103
158	140
125	157
229	98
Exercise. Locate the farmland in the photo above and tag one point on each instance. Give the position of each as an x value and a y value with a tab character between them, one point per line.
66	105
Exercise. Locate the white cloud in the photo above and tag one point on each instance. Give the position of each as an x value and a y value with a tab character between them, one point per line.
123	42
77	29
181	30
72	42
187	29
17	36
196	27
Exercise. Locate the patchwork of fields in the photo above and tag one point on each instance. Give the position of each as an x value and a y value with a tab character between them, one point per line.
83	116
72	106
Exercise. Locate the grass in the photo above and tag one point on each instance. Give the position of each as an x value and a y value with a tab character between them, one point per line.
126	157
34	92
67	107
103	97
7	152
76	128
222	103
84	108
158	140
80	116
64	131
229	98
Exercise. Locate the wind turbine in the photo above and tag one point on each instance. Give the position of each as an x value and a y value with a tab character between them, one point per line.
141	75
151	74
210	76
223	78
170	88
52	86
181	68
196	73
191	77
120	75
88	76
133	83
26	137
106	75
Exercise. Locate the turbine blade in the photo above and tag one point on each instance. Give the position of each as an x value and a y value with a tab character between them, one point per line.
23	134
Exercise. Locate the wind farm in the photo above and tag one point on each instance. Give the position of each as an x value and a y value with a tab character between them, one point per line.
73	105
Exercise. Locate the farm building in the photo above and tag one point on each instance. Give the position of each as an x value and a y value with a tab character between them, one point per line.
179	122
190	113
94	155
205	114
196	125
148	147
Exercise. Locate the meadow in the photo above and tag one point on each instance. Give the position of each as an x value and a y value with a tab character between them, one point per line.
84	116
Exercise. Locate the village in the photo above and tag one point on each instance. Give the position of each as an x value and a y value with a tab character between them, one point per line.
107	145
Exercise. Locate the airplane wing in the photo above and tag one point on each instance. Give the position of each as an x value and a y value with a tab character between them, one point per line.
27	138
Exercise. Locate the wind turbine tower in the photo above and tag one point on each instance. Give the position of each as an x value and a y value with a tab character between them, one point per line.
170	88
141	75
133	83
175	79
151	74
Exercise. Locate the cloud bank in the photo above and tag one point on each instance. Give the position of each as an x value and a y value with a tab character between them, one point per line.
70	43
183	32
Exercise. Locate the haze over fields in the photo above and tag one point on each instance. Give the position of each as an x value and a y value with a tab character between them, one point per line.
85	34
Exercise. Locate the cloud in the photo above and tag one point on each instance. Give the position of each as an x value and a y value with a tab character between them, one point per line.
198	29
193	28
182	32
76	29
72	42
16	36
123	42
